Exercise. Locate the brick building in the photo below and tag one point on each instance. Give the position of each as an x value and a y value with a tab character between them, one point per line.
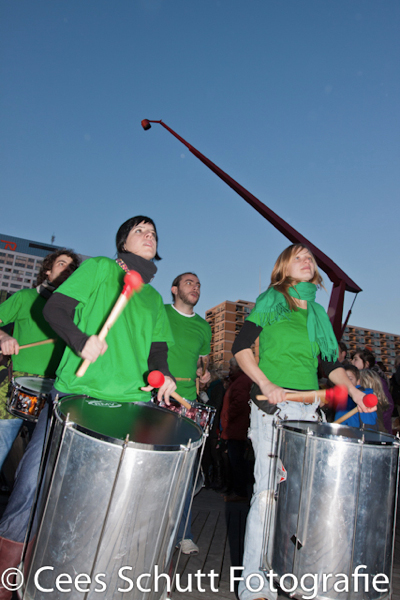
226	320
383	345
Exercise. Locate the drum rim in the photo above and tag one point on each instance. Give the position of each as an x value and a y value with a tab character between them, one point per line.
118	442
30	391
386	440
203	406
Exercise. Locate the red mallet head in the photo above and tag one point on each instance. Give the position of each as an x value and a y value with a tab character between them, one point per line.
337	395
155	379
133	283
370	400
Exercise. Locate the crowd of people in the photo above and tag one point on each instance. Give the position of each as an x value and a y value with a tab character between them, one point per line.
296	344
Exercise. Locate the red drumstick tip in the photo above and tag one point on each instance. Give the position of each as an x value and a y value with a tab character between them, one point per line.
329	395
370	400
155	379
340	393
133	283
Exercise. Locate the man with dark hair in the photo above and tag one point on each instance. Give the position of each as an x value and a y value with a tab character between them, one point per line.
25	310
187	360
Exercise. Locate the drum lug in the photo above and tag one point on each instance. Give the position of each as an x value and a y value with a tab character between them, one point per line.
296	542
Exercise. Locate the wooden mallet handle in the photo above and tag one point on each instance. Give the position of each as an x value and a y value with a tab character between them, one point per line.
156	380
133	283
33	344
331	395
369	400
49	341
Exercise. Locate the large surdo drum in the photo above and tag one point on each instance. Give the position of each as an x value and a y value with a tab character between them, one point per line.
112	495
334	508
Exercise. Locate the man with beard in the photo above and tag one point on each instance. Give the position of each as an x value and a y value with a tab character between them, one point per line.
186	358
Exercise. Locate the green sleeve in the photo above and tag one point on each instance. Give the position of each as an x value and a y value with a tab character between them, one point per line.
10	308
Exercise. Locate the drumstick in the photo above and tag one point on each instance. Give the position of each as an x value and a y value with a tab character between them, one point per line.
183	378
369	400
331	395
37	344
34	344
133	283
156	380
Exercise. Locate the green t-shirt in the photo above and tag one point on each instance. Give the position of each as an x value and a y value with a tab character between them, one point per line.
285	353
121	372
25	310
192	336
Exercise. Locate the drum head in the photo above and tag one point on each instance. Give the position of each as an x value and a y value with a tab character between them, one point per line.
338	431
35	385
144	423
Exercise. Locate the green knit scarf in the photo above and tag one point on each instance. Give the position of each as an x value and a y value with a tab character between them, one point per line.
272	307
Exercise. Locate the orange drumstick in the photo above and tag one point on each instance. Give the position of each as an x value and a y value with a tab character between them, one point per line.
49	341
33	344
369	400
133	283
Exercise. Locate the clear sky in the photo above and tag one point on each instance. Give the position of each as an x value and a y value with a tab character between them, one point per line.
298	100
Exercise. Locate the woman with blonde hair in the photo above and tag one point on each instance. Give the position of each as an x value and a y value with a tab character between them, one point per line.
293	331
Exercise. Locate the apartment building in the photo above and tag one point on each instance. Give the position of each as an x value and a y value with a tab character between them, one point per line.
226	320
383	345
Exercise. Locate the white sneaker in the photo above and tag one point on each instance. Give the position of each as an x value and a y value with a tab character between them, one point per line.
188	547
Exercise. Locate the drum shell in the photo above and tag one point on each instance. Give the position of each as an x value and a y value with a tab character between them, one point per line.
336	508
28	395
107	505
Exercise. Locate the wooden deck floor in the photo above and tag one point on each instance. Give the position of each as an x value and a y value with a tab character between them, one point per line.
218	529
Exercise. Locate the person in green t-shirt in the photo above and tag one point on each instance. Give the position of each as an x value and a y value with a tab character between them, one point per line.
24	310
187	360
138	342
293	331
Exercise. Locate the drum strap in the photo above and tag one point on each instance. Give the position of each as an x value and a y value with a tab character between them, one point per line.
121	263
263	405
8	371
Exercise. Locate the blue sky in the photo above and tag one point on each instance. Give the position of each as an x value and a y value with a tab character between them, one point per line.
298	100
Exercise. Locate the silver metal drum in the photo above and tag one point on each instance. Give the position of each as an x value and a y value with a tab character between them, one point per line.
335	510
112	497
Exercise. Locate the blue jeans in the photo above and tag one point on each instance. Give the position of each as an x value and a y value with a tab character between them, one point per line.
9	429
14	522
263	437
